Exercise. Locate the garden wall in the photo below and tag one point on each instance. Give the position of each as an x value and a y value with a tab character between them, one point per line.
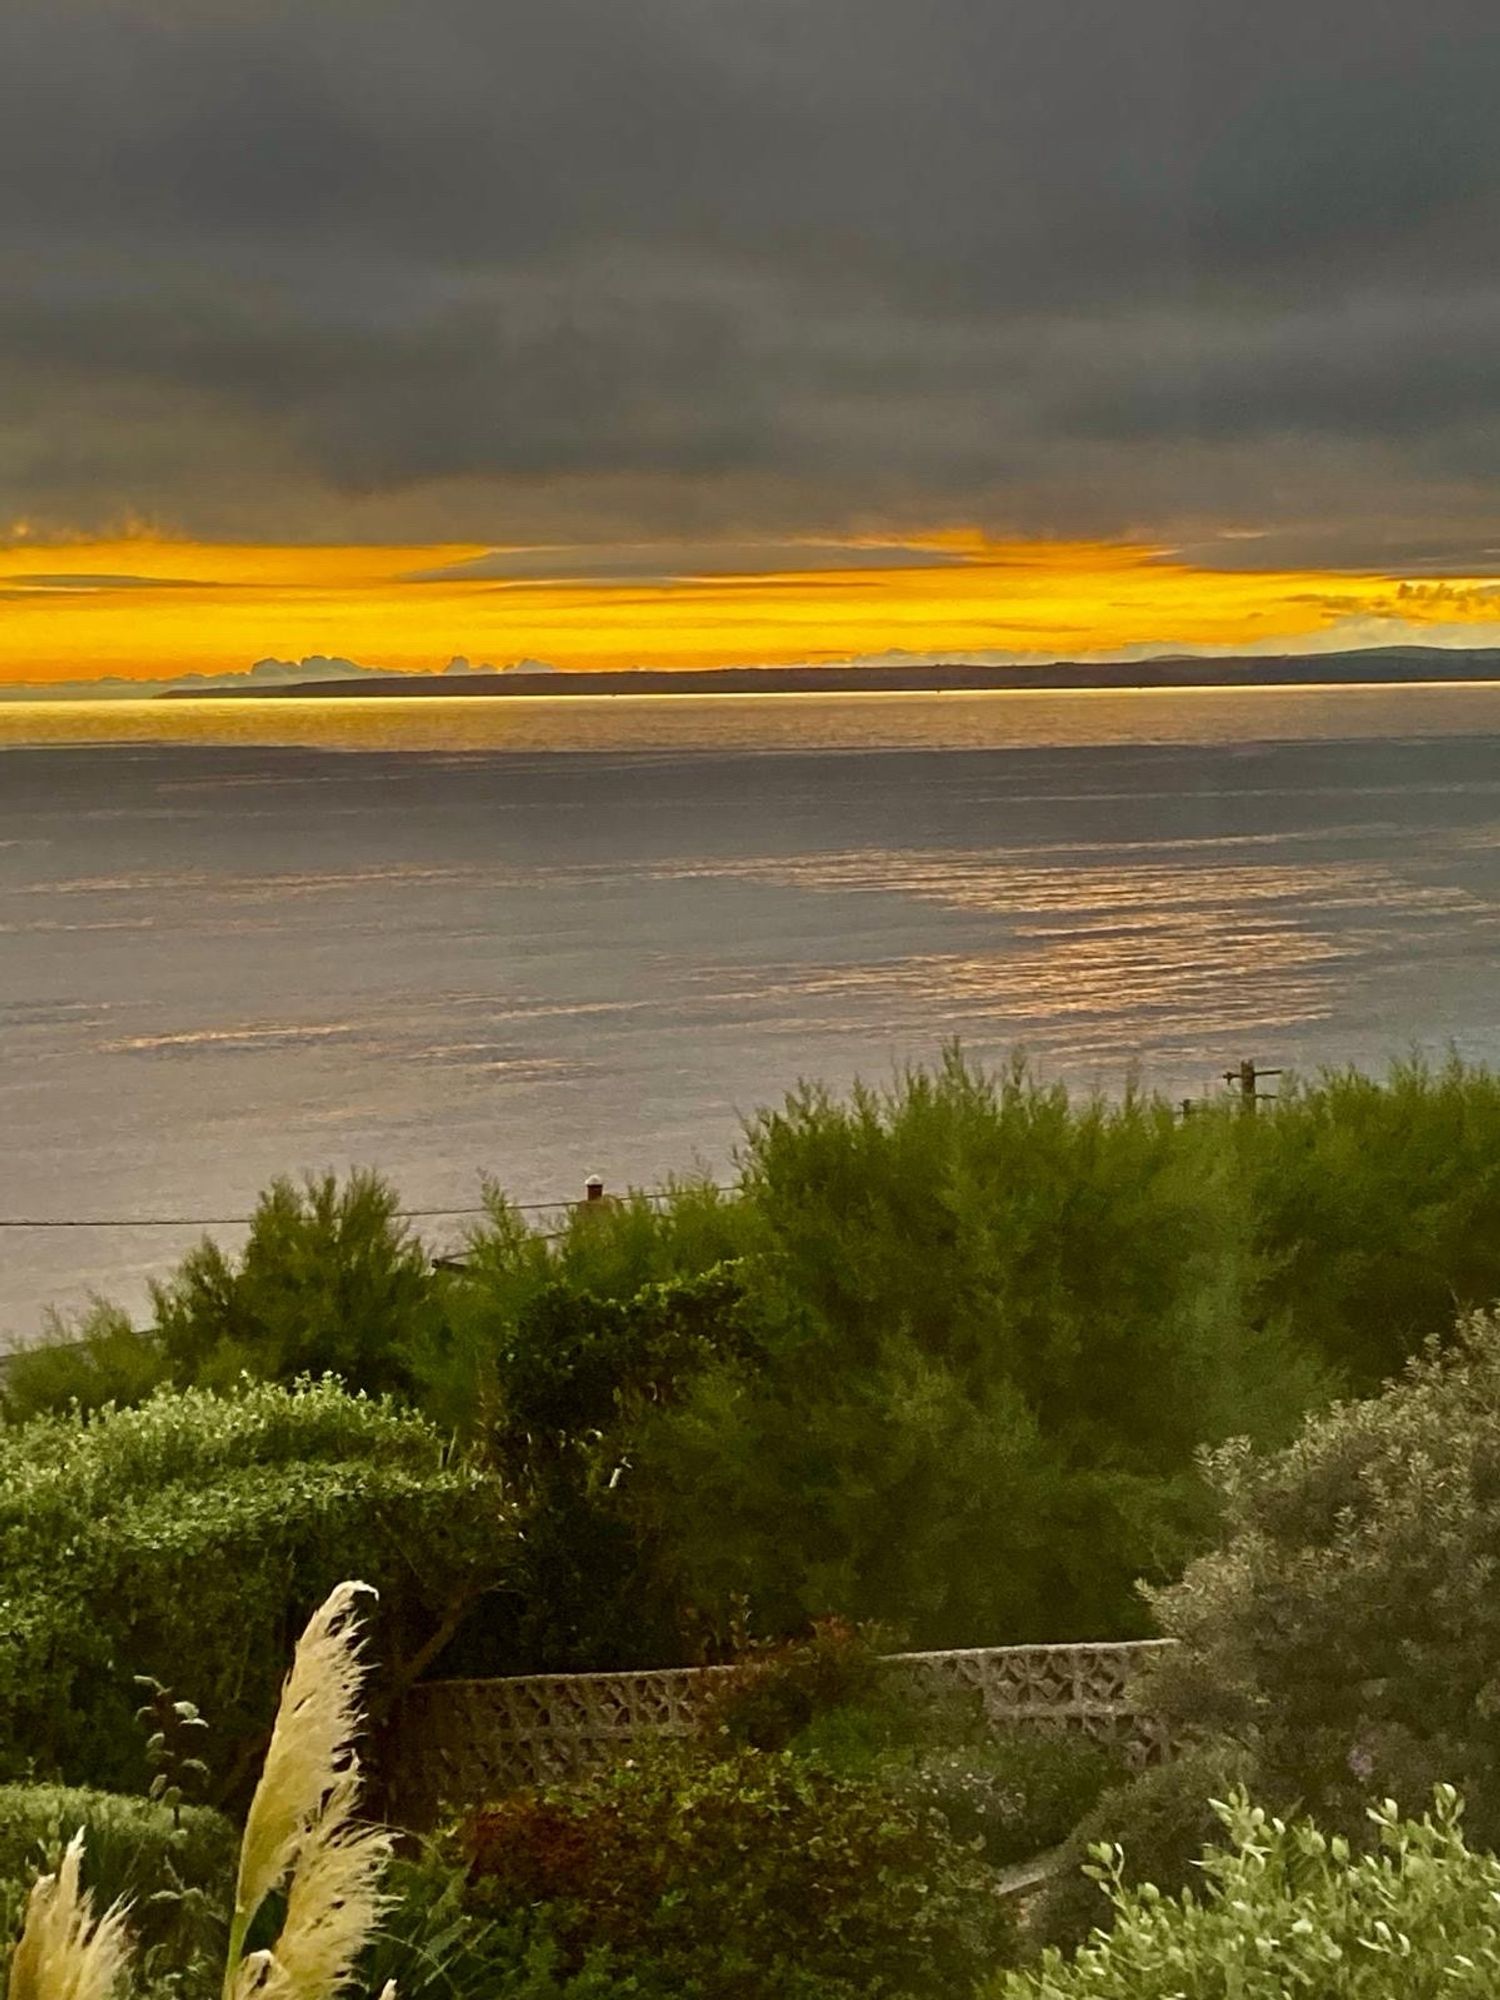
463	1742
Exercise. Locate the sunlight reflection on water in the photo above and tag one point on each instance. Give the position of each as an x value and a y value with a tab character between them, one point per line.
1004	719
590	939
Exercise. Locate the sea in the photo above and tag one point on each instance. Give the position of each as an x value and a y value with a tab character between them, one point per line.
532	940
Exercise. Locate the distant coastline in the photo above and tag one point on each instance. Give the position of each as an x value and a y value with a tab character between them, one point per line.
1379	666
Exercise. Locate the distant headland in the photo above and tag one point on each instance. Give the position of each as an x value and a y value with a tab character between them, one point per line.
1368	666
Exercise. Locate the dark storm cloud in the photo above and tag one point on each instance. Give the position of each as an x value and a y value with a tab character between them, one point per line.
749	266
668	561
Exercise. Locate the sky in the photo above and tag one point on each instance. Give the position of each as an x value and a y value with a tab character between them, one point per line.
679	332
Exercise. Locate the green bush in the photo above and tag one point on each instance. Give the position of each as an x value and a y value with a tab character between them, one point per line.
434	1947
574	1371
836	1703
1014	1796
1377	1211
1347	1627
1161	1821
175	1870
752	1878
102	1358
330	1282
608	1254
770	1697
1288	1910
188	1539
995	1325
551	1346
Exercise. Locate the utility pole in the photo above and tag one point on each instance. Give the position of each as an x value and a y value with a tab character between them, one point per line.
1245	1078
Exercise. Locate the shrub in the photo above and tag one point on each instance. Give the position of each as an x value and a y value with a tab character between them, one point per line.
330	1282
996	1324
175	1870
1160	1820
609	1253
835	1702
1003	1226
771	1696
753	1878
1377	1211
101	1359
1286	1909
1013	1796
574	1365
432	1946
187	1539
574	1371
1347	1628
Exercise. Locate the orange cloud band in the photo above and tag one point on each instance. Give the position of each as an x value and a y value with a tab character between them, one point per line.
150	608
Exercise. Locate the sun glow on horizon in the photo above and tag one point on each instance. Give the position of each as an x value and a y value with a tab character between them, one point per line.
149	607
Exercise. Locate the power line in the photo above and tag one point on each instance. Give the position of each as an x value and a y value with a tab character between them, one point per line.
244	1221
215	1221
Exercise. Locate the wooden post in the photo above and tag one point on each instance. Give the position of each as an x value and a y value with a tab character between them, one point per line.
1245	1078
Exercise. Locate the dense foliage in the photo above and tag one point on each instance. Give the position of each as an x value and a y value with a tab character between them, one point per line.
943	1369
173	1868
834	1701
1376	1207
1343	1634
1287	1909
187	1539
329	1282
433	1945
752	1877
1160	1821
996	1325
579	1373
611	1251
1011	1797
775	1692
942	1361
1347	1627
103	1358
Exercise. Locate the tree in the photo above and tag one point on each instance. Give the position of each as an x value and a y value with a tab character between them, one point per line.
996	1323
576	1376
330	1281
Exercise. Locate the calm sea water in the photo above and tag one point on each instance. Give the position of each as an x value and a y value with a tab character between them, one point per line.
539	939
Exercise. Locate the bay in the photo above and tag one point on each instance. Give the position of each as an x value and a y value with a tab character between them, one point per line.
538	939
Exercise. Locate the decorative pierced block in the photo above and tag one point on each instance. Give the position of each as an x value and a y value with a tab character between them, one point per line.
458	1743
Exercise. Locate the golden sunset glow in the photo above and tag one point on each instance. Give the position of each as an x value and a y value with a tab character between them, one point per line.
150	608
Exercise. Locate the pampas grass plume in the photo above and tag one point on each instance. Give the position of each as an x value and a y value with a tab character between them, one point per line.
301	1828
63	1953
312	1745
333	1903
301	1831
